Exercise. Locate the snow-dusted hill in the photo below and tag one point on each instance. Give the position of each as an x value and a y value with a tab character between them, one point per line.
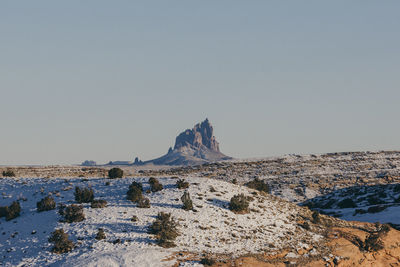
271	225
298	178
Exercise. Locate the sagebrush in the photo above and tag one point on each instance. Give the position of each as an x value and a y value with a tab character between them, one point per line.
72	213
187	202
239	203
11	212
98	204
155	185
182	184
47	203
135	192
165	229
259	185
84	195
144	202
61	242
115	173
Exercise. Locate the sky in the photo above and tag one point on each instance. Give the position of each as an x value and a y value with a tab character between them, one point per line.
112	80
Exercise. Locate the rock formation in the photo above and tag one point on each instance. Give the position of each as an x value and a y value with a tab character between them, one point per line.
138	161
193	146
200	137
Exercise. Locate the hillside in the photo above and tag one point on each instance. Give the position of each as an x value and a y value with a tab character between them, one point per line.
354	186
272	232
298	178
270	226
375	203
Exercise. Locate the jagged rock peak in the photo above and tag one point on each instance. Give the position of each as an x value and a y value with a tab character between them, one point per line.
199	137
192	147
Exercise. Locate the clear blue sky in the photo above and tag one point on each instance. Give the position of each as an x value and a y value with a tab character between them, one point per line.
111	80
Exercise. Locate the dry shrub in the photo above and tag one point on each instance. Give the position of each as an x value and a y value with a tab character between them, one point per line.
8	173
259	185
384	229
144	202
315	217
137	184
207	261
182	184
85	195
239	203
187	202
98	204
61	242
46	204
373	242
13	211
10	212
100	234
135	192
72	213
165	229
115	173
155	185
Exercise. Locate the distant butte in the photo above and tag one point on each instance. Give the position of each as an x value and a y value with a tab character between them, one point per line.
192	147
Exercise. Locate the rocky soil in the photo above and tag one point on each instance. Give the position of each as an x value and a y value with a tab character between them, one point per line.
346	249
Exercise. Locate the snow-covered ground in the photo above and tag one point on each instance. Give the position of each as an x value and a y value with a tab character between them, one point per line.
377	203
300	177
211	228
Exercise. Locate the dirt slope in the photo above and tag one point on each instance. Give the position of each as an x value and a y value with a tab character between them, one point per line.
346	246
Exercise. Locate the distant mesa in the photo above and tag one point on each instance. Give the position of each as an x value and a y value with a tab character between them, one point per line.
192	147
89	163
119	162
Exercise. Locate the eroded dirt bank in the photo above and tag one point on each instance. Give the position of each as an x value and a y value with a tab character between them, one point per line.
359	244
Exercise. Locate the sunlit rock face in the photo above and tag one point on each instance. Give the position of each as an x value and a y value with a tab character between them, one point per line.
200	137
193	146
